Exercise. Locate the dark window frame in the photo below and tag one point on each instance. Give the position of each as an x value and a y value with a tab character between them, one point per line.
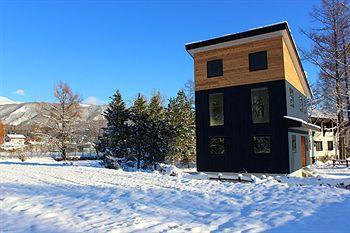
270	146
262	67
223	109
305	105
330	145
291	97
217	74
268	102
209	145
318	145
301	104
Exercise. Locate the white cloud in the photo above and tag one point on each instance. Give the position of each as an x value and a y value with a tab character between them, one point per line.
20	92
92	100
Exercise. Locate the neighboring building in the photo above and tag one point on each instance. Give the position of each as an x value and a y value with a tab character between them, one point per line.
2	132
31	141
251	112
15	139
324	141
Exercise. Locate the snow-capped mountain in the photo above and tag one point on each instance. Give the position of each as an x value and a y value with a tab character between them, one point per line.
27	114
5	100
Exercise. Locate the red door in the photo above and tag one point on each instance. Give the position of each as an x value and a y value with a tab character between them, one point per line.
303	151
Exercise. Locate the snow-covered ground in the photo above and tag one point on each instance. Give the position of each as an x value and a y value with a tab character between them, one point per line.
48	196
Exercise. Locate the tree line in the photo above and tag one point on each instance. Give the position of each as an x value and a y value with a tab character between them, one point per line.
148	132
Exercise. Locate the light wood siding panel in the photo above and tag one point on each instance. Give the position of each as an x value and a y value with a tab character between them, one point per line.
236	64
290	71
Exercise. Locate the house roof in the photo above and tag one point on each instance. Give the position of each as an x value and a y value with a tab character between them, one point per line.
16	136
297	122
239	35
251	33
322	114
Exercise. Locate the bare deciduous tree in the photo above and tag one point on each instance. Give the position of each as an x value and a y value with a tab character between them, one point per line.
189	90
62	118
330	53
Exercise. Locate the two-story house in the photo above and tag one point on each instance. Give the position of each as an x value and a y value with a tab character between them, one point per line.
251	102
325	141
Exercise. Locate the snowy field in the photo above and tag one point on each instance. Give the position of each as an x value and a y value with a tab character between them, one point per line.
48	196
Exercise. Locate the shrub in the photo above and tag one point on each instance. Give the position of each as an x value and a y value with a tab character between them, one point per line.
22	157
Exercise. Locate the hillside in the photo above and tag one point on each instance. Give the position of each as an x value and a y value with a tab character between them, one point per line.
27	114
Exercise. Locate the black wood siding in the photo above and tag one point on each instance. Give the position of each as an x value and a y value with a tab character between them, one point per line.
239	130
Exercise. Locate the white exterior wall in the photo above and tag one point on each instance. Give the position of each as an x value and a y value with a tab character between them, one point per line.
328	136
295	161
295	111
17	141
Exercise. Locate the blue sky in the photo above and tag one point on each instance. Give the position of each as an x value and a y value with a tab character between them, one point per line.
135	46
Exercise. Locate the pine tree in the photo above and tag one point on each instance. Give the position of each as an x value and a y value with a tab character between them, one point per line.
160	134
140	128
113	141
181	117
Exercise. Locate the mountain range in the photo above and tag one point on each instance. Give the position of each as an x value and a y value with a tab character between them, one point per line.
27	114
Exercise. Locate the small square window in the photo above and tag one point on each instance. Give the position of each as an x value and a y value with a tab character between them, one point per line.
214	68
258	61
262	145
216	109
294	144
217	146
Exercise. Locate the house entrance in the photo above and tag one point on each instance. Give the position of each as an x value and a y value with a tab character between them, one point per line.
303	151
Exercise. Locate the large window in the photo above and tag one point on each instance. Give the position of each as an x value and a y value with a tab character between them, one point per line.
216	109
260	105
318	145
214	68
258	61
294	143
262	144
217	146
291	97
330	145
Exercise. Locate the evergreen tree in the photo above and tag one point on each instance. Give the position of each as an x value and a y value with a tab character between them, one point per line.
140	128
113	141
160	134
156	108
181	117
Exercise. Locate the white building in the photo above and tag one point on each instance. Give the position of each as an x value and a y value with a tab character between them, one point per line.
324	142
15	139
